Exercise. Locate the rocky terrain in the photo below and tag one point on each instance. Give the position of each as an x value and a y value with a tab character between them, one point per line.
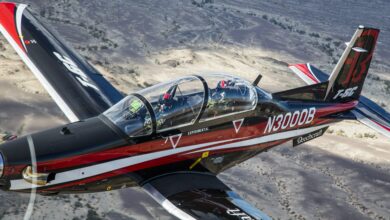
343	175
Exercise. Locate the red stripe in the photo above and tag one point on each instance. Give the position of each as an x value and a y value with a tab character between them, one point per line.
7	20
304	69
148	147
155	163
339	107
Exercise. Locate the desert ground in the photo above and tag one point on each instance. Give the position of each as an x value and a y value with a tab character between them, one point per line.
343	175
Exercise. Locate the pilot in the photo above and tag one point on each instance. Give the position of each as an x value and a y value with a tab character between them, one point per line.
135	106
167	104
223	84
218	104
167	101
136	117
225	88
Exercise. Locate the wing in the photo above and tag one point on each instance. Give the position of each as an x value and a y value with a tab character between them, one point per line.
366	112
77	88
199	196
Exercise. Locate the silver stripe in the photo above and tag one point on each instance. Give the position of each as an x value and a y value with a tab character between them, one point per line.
19	14
30	207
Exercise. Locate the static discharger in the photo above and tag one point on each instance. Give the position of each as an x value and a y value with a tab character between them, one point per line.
204	155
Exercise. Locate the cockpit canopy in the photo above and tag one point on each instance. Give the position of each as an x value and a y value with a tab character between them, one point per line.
182	102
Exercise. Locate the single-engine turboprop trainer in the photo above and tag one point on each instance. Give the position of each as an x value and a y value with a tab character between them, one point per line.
171	139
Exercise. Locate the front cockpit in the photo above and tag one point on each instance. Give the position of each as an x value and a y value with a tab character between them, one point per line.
183	102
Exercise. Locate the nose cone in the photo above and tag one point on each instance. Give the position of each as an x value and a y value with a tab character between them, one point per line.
14	157
3	180
1	165
13	154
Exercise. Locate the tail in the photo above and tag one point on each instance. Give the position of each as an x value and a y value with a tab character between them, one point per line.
347	79
345	83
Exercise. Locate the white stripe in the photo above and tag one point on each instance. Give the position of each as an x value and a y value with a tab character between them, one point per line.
359	49
53	93
164	202
265	139
303	76
368	122
340	63
19	14
85	172
98	169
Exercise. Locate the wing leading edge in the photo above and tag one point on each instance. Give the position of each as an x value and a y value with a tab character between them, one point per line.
200	196
77	88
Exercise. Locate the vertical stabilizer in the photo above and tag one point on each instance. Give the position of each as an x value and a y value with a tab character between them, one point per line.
347	78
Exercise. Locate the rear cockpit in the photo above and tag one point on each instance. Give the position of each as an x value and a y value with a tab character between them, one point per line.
184	102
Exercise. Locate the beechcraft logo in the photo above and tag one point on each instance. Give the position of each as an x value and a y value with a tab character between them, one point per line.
307	137
72	67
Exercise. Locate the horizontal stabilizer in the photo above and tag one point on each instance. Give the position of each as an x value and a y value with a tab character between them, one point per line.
372	115
309	73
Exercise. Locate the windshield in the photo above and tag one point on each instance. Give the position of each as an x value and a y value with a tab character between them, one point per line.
131	116
181	103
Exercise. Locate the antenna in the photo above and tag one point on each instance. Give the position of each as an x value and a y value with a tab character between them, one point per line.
257	80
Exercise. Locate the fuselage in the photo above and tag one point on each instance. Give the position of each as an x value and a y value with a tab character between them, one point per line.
95	155
92	155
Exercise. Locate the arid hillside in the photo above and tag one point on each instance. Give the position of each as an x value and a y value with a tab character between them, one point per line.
135	44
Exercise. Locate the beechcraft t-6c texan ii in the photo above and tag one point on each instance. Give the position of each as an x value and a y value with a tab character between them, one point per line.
173	138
